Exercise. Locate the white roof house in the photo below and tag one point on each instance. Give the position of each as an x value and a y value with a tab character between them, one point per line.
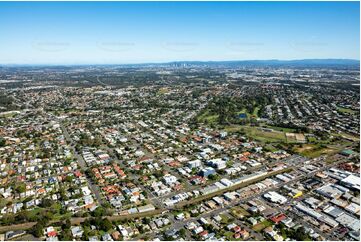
275	197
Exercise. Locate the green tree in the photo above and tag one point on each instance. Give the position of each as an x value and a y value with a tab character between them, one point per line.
105	224
37	230
98	212
66	225
66	235
182	233
2	142
301	235
21	187
46	203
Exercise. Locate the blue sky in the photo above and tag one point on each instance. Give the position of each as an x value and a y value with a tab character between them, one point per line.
137	32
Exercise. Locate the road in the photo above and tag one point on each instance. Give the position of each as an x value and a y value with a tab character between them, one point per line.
93	187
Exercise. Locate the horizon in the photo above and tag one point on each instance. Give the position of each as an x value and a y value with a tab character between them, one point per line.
130	33
186	61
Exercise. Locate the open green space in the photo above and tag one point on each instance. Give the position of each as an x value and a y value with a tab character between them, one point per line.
257	134
225	219
229	236
8	114
239	212
262	225
288	130
347	136
346	110
314	150
249	115
207	118
255	111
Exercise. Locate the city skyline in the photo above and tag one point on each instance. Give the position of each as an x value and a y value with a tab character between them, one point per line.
156	32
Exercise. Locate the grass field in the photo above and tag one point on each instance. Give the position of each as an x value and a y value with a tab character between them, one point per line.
257	134
347	136
312	150
271	148
208	118
346	110
288	130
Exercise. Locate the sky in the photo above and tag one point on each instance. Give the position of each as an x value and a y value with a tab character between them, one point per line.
143	32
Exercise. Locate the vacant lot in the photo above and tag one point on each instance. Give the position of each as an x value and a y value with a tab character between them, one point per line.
239	212
312	150
258	134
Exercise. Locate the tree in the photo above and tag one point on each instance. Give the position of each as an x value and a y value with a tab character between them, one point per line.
146	220
213	177
2	142
69	179
46	203
98	212
182	233
105	224
20	188
22	216
62	192
86	223
301	235
66	225
37	230
66	235
7	219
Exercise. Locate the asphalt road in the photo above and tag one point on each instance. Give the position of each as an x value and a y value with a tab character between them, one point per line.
93	187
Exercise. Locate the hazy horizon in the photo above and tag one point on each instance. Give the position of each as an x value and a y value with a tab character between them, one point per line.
175	61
